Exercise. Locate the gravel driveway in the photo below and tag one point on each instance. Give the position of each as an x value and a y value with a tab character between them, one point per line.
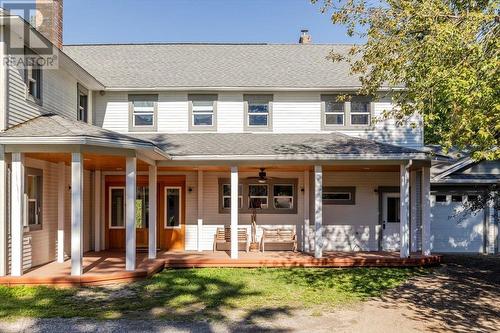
461	296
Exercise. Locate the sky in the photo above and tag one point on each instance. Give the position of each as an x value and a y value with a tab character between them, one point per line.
231	21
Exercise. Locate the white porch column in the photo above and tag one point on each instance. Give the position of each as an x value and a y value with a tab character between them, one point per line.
61	191
3	212
152	211
404	232
413	211
492	227
234	212
305	240
17	214
200	210
76	213
318	211
130	195
97	210
426	210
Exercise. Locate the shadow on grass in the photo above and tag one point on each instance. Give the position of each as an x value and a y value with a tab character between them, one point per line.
175	297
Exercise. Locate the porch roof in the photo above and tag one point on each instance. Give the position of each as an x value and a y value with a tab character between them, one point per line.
310	146
50	129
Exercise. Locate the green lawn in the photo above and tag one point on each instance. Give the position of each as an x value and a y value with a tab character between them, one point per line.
206	293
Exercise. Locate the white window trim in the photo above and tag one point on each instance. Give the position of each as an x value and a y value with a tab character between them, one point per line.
110	203
283	196
342	113
250	197
165	191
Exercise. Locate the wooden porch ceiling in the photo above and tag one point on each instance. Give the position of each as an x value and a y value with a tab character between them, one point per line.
117	163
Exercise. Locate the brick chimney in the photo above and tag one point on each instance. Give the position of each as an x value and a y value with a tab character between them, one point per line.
50	22
305	37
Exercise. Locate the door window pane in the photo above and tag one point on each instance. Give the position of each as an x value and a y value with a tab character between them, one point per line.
173	207
393	209
142	207
117	208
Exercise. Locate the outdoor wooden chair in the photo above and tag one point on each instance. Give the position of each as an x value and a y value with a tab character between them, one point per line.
222	239
278	239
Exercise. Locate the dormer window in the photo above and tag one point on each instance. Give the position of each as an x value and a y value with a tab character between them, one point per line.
143	112
258	112
202	112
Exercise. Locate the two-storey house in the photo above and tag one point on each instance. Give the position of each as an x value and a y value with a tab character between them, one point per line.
156	146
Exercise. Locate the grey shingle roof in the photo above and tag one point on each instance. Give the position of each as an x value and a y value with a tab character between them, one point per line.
207	144
214	65
53	126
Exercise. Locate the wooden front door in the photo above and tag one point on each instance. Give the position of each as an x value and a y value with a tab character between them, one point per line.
171	203
171	213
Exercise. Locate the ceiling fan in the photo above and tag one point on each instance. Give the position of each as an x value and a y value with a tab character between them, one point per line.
262	178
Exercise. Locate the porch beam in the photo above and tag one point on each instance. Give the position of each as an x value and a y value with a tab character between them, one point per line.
3	212
426	210
153	173
61	196
130	194
76	214
234	212
17	214
404	211
318	211
305	238
97	210
200	210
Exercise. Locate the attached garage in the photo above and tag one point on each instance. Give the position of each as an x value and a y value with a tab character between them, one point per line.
451	229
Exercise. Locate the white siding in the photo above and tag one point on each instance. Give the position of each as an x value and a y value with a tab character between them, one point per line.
293	112
111	111
296	112
387	131
59	95
173	113
230	113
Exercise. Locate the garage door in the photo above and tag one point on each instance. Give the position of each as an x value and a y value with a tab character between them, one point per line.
455	233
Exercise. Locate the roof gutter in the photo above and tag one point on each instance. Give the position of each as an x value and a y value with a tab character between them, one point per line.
242	88
303	157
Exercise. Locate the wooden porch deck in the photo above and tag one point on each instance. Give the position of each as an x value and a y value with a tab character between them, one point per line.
109	267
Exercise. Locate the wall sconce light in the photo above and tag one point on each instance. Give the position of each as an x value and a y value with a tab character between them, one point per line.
302	189
190	189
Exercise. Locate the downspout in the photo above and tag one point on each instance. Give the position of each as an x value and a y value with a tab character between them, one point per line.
4	80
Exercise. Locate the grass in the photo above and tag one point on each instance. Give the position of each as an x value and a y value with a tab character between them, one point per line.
209	293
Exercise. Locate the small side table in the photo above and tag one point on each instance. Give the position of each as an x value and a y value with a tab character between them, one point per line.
254	247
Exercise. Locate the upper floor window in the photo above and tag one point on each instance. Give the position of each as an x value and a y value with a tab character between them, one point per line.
143	112
33	80
83	104
258	112
360	110
339	114
334	111
202	112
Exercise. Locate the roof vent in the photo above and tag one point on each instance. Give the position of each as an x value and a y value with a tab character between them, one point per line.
305	37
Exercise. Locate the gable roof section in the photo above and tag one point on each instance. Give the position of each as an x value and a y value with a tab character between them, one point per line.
218	66
262	146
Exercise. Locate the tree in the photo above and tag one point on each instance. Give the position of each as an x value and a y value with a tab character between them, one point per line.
439	58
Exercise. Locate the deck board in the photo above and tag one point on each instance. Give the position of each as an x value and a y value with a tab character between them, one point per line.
108	267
